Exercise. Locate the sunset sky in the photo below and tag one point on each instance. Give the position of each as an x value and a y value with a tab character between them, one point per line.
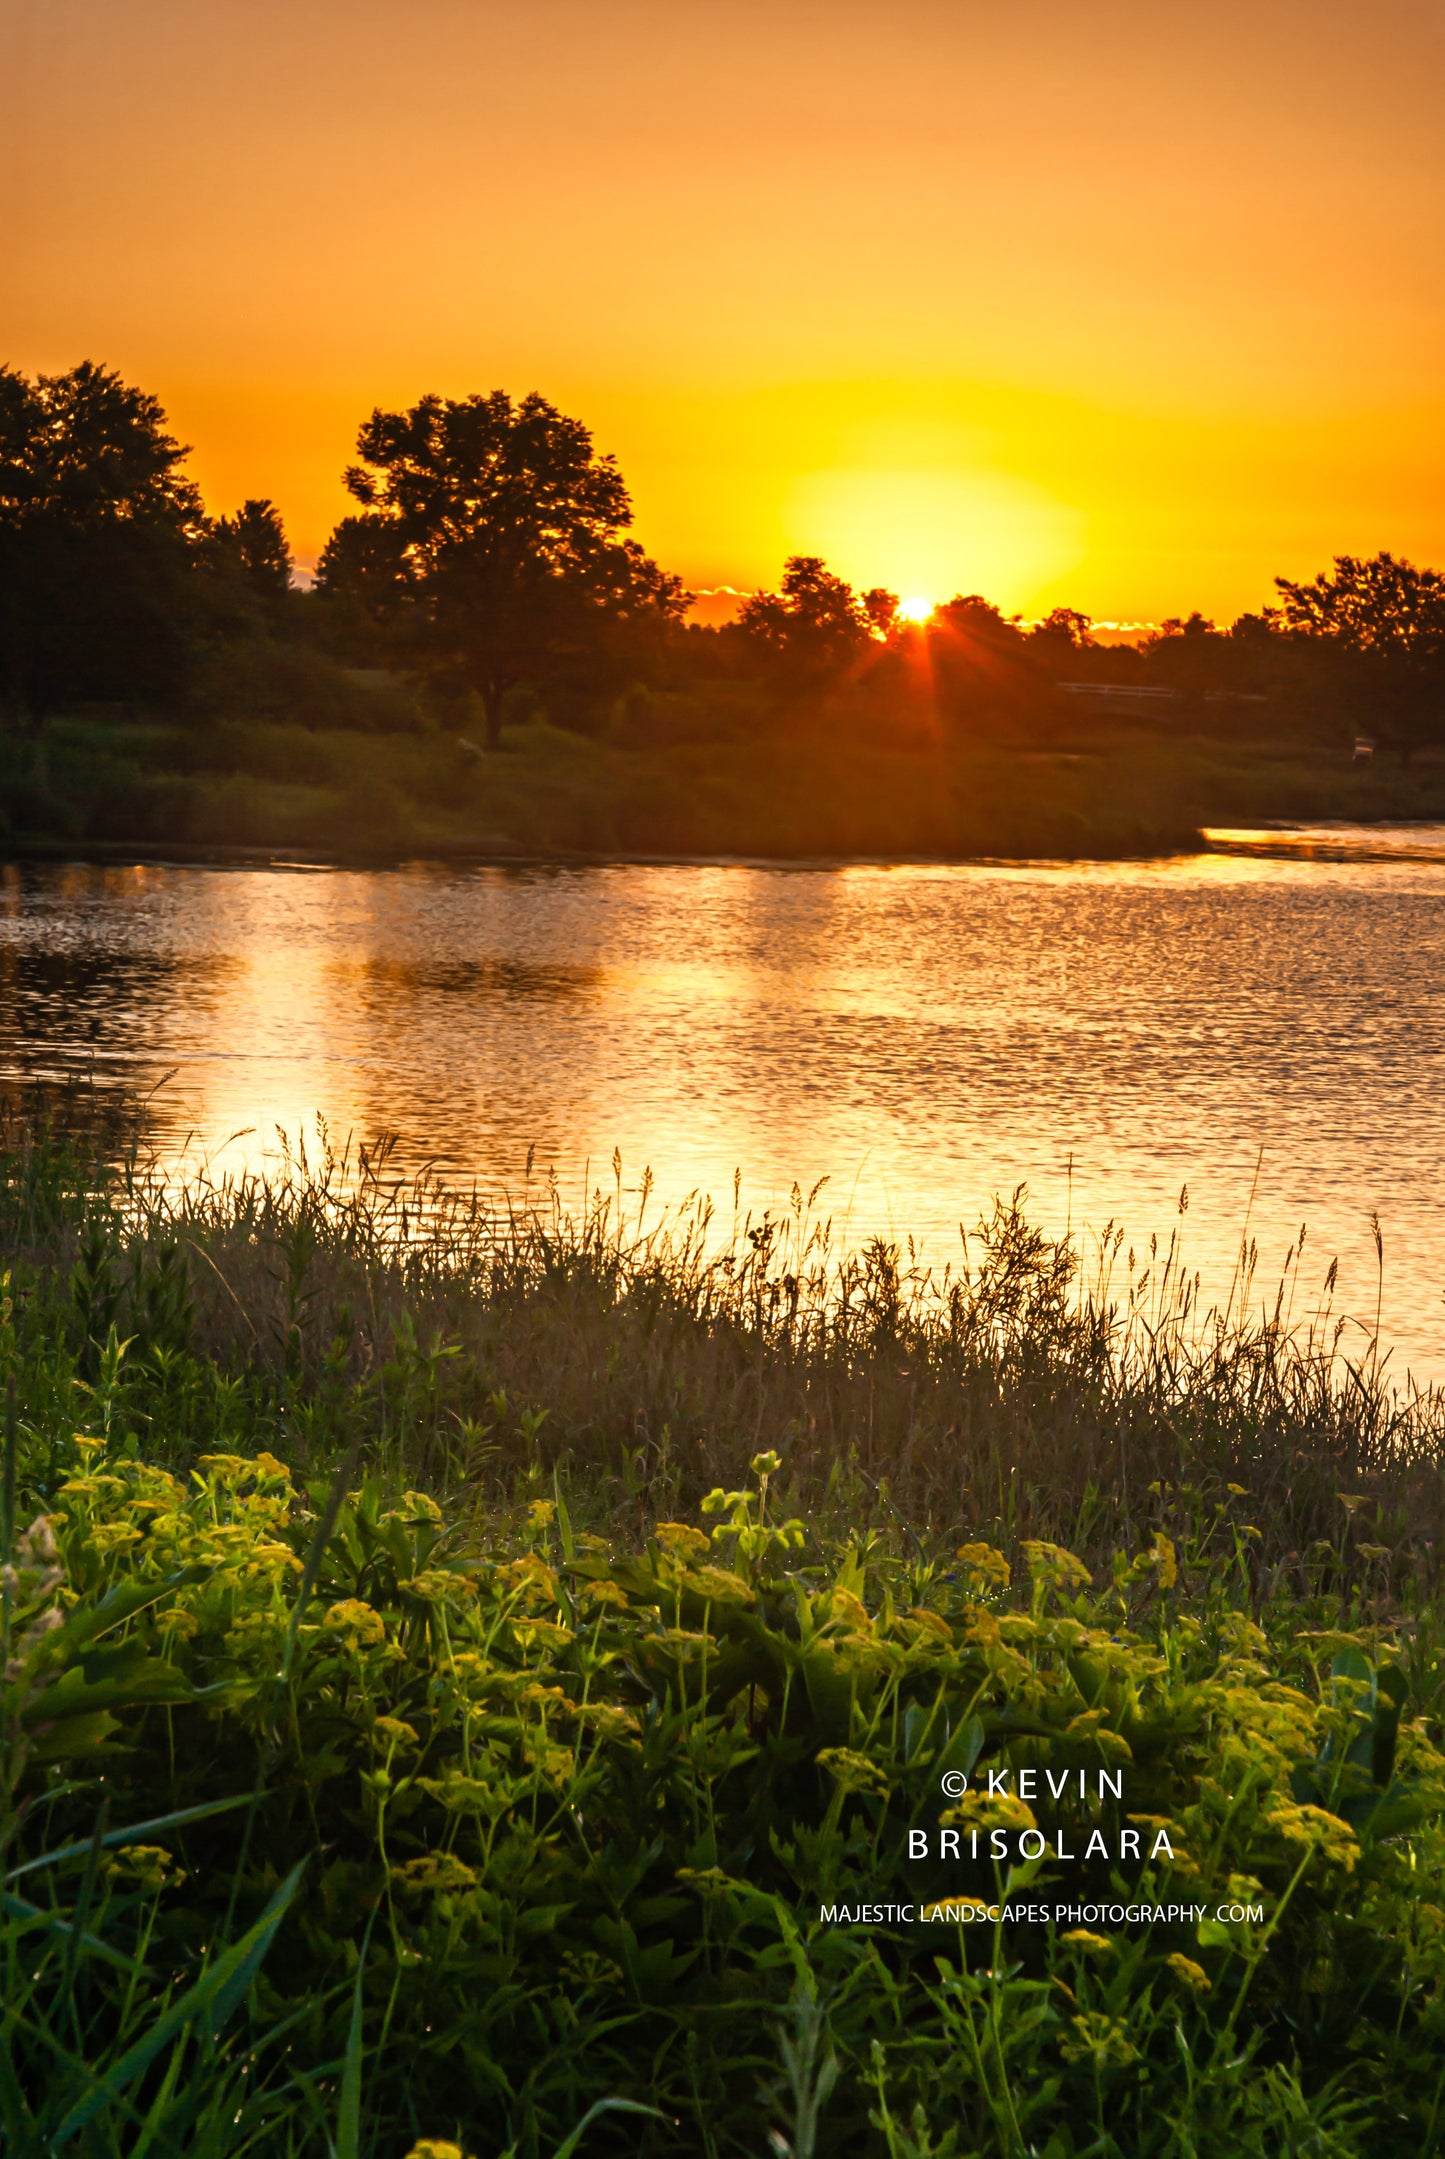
1129	306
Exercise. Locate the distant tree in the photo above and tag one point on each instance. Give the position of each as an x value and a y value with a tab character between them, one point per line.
496	534
987	672
1384	619
1064	630
100	534
815	624
253	545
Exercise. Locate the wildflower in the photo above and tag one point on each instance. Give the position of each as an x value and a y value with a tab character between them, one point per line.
710	1883
421	1507
841	1604
435	2148
988	1568
587	1542
1165	1561
1101	2039
718	1585
530	1578
1086	1944
224	1468
270	1469
600	1593
852	1771
681	1541
1089	1724
1238	1491
465	1795
606	1721
929	1623
438	1872
1351	1501
546	1697
554	1763
547	1633
396	1732
1185	1969
540	1513
1312	1826
439	1585
86	1444
178	1622
1051	1563
359	1624
765	1465
149	1866
989	1810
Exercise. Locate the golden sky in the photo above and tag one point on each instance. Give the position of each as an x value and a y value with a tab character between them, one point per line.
1124	305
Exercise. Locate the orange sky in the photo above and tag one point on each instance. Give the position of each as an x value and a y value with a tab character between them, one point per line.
1125	305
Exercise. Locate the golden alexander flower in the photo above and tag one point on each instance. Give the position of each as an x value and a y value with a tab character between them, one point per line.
853	1771
718	1585
396	1732
1086	1944
1312	1826
681	1541
1051	1563
421	1506
988	1568
436	1873
989	1810
605	1721
600	1593
356	1622
149	1866
435	2148
1189	1973
1100	2038
842	1604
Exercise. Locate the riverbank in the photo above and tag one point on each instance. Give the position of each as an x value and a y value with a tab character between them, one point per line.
1108	791
501	1668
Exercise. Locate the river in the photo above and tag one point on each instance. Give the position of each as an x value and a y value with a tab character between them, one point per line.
1263	1025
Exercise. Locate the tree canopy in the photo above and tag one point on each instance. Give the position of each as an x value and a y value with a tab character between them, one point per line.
99	530
815	622
498	531
1386	617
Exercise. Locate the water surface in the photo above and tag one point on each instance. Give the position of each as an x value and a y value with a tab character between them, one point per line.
920	1037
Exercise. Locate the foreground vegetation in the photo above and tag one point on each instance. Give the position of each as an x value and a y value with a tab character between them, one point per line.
453	1660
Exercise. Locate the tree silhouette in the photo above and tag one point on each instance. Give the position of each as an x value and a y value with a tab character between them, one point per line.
253	545
815	624
99	535
498	533
1385	619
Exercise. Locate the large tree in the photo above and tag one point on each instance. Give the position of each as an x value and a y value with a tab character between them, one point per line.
99	536
1384	621
496	530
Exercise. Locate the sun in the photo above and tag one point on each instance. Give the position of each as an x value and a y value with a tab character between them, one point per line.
916	609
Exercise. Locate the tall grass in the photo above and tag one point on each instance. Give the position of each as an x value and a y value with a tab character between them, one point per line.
1019	1389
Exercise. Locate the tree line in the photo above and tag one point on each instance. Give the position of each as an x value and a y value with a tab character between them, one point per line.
488	560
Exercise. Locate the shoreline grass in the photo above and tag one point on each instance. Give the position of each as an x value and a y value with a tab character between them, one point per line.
564	1612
